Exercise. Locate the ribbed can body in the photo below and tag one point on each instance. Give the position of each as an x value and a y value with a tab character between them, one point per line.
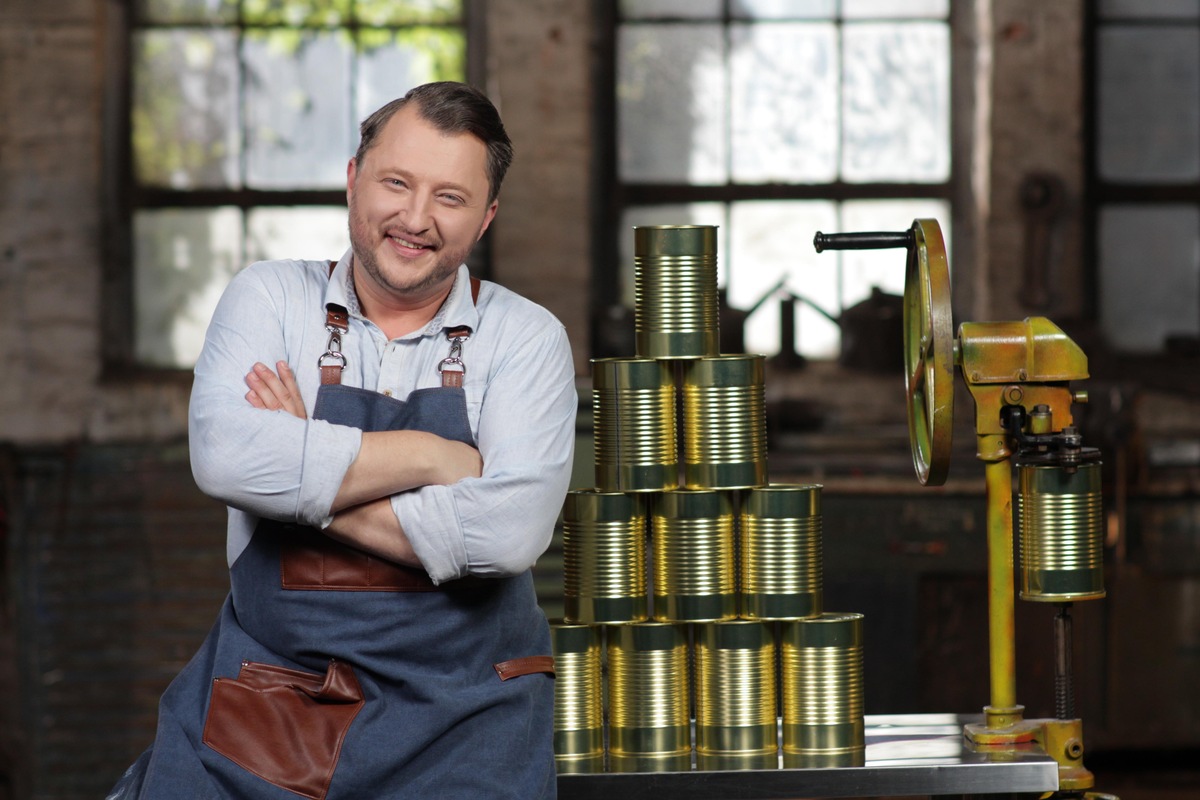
648	689
1061	523
578	691
604	557
693	542
675	288
735	687
633	409
724	422
782	564
821	670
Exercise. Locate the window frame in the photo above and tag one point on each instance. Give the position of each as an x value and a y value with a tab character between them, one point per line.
616	196
1166	371
122	197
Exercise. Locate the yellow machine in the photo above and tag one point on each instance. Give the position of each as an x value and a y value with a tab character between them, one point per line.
1019	375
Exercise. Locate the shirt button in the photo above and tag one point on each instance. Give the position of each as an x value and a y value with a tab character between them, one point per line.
387	392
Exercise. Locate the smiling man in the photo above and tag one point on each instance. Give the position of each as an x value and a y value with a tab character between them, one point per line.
391	477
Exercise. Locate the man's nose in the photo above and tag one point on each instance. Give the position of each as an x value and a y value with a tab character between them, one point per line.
416	211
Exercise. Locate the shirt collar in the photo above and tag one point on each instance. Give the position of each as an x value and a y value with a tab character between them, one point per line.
458	310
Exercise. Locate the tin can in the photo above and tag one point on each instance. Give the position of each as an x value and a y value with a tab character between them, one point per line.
724	422
1060	516
821	668
604	557
648	690
675	291
578	692
633	410
692	537
735	688
782	565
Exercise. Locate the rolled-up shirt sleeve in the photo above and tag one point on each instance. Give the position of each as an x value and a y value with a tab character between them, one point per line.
497	525
265	463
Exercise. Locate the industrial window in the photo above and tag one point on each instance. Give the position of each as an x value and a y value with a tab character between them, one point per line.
1146	175
774	119
242	115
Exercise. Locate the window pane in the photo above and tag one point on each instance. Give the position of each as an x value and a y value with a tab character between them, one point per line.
1147	9
687	214
290	12
297	107
785	90
1149	104
184	259
896	103
1149	282
185	11
311	233
671	104
783	9
392	12
890	9
678	9
770	242
391	63
185	115
863	270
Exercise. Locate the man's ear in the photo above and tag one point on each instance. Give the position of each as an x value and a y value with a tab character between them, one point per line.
487	219
351	175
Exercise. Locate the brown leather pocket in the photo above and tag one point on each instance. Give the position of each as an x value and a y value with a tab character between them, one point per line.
312	561
284	725
529	665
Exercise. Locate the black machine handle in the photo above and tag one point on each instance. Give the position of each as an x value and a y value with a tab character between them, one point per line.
871	240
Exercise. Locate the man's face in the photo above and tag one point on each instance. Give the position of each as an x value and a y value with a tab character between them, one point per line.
418	204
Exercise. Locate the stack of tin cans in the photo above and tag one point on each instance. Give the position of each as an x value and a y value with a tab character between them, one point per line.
694	630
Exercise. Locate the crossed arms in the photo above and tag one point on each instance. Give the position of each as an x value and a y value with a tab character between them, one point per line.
388	462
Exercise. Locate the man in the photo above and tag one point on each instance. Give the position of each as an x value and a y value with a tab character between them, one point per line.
391	478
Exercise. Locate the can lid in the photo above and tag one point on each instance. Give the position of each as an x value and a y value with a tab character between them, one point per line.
831	629
639	636
566	637
736	634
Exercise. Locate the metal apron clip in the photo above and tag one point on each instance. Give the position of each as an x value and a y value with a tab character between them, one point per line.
451	368
333	361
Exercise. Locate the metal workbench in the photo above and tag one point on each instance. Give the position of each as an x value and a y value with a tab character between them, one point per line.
905	755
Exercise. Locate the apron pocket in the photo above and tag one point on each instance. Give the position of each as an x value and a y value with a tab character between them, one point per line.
312	561
529	665
284	725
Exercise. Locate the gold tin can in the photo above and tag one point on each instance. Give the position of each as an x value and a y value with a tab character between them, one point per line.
781	568
724	422
677	762
735	688
675	291
817	760
578	692
692	537
1061	522
633	410
648	690
732	762
604	557
821	668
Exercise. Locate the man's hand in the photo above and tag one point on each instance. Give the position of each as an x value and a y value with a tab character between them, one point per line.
275	392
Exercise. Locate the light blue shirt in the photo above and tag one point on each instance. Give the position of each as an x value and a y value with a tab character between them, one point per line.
521	402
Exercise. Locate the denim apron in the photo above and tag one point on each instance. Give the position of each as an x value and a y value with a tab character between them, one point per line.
333	674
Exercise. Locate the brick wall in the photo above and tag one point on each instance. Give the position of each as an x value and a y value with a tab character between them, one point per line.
117	567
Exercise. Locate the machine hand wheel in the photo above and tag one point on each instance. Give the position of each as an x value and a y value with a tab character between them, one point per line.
928	338
928	352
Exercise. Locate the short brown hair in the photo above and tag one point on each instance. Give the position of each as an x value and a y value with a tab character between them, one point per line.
451	107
